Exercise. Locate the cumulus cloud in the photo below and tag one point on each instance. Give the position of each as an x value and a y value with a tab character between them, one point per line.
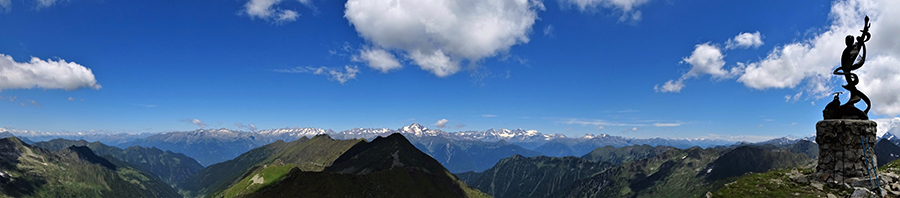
71	99
349	72
378	59
46	74
706	59
439	35
625	7
441	123
812	60
745	40
197	122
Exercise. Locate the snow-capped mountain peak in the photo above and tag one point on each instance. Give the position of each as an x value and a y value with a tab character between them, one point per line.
296	131
418	130
362	131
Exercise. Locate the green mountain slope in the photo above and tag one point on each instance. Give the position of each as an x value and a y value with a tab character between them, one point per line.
170	167
219	176
673	173
624	154
540	176
28	171
687	173
385	167
755	159
307	154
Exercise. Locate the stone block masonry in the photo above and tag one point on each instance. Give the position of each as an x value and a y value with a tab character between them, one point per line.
841	150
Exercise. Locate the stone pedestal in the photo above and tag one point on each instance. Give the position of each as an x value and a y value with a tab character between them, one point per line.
841	156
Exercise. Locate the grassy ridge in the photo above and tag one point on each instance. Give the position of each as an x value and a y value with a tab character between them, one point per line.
776	184
261	178
71	172
170	167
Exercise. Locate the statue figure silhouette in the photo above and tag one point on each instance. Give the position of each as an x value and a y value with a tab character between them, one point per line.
850	54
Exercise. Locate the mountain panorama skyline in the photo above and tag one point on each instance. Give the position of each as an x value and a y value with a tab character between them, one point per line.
414	129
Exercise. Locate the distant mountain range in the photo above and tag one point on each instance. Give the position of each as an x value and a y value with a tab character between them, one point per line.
458	151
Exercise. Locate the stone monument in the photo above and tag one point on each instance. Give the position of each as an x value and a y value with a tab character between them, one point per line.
846	136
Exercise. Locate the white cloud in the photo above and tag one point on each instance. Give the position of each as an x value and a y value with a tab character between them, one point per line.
441	123
349	72
812	60
626	7
46	74
745	40
488	115
885	125
260	8
71	99
197	122
659	124
670	86
440	34
788	98
269	10
286	16
706	59
378	59
600	127
880	80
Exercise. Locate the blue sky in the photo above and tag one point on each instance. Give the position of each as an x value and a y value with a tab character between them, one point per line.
643	68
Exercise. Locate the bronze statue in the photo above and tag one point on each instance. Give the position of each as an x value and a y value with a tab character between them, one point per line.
850	54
